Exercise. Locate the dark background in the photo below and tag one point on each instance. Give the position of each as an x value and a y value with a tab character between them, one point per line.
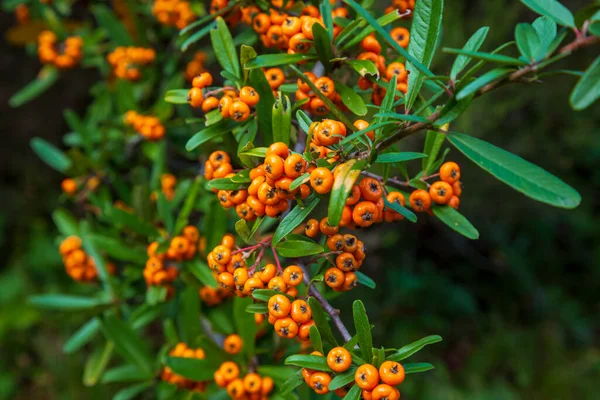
518	309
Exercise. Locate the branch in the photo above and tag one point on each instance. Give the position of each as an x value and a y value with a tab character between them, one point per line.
329	309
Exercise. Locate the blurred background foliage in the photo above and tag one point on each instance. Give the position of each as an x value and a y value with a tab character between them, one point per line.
518	309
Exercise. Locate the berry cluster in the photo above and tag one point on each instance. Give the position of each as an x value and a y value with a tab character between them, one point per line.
380	384
176	13
290	319
167	184
314	103
167	375
251	386
65	54
403	6
148	126
217	166
78	264
445	191
196	66
233	104
395	68
125	61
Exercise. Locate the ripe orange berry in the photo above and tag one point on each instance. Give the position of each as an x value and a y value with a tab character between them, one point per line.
454	202
385	392
321	180
304	330
457	188
420	200
440	192
252	383
334	278
203	80
327	229
391	372
278	148
370	43
224	104
303	86
195	97
274	166
450	172
69	186
261	23
311	228
339	359
301	312
239	111
361	124
209	104
335	242
266	385
221	254
293	275
230	370
398	69
286	328
294	166
235	389
232	344
366	377
277	284
291	25
252	284
218	158
318	107
346	262
364	213
325	86
249	96
275	77
319	382
401	36
279	306
370	189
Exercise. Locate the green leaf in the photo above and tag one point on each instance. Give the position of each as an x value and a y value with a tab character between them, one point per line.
291	383
111	24
197	36
65	222
553	10
293	219
177	96
45	78
473	44
406	351
491	57
315	339
133	391
342	379
384	20
350	98
527	40
224	49
298	248
257	308
209	133
426	25
123	373
279	373
192	368
51	155
452	110
92	250
417	367
260	152
387	105
318	363
264	108
128	343
123	218
266	294
189	316
117	248
82	336
363	329
188	205
282	118
405	212
521	175
66	302
342	186
275	60
170	332
202	272
456	221
322	42
247	53
321	322
365	280
483	80
325	9
244	323
354	393
165	212
364	67
96	364
402	117
587	89
546	30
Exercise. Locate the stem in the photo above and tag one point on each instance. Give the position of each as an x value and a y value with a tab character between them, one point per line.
334	313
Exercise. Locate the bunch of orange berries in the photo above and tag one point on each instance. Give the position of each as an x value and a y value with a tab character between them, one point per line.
445	191
233	104
319	380
326	86
125	61
290	318
402	6
218	165
326	133
251	386
148	126
213	296
176	13
196	66
379	384
62	55
78	264
167	375
168	183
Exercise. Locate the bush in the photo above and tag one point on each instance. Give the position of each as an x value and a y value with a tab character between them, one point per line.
300	144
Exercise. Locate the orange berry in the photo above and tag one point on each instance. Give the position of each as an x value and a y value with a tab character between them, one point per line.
440	192
366	377
249	96
450	172
321	180
391	372
339	359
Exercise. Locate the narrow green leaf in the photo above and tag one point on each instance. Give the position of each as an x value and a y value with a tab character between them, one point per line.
342	379
133	391
425	28
351	99
473	44
118	249
587	89
315	339
177	96
417	367
197	36
127	343
192	368
293	219
363	329
264	108
66	302
322	42
456	221
164	212
318	363
483	80
244	323
402	117
224	49
188	205
399	157
111	24
189	316
275	60
354	393
82	336
384	20
282	118
257	308
51	155
552	9
298	248
45	78
91	248
266	294
123	218
342	186
96	364
291	383
405	212
406	351
453	109
521	175
65	222
325	9
321	321
365	280
123	373
279	373
209	133
364	67
491	57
